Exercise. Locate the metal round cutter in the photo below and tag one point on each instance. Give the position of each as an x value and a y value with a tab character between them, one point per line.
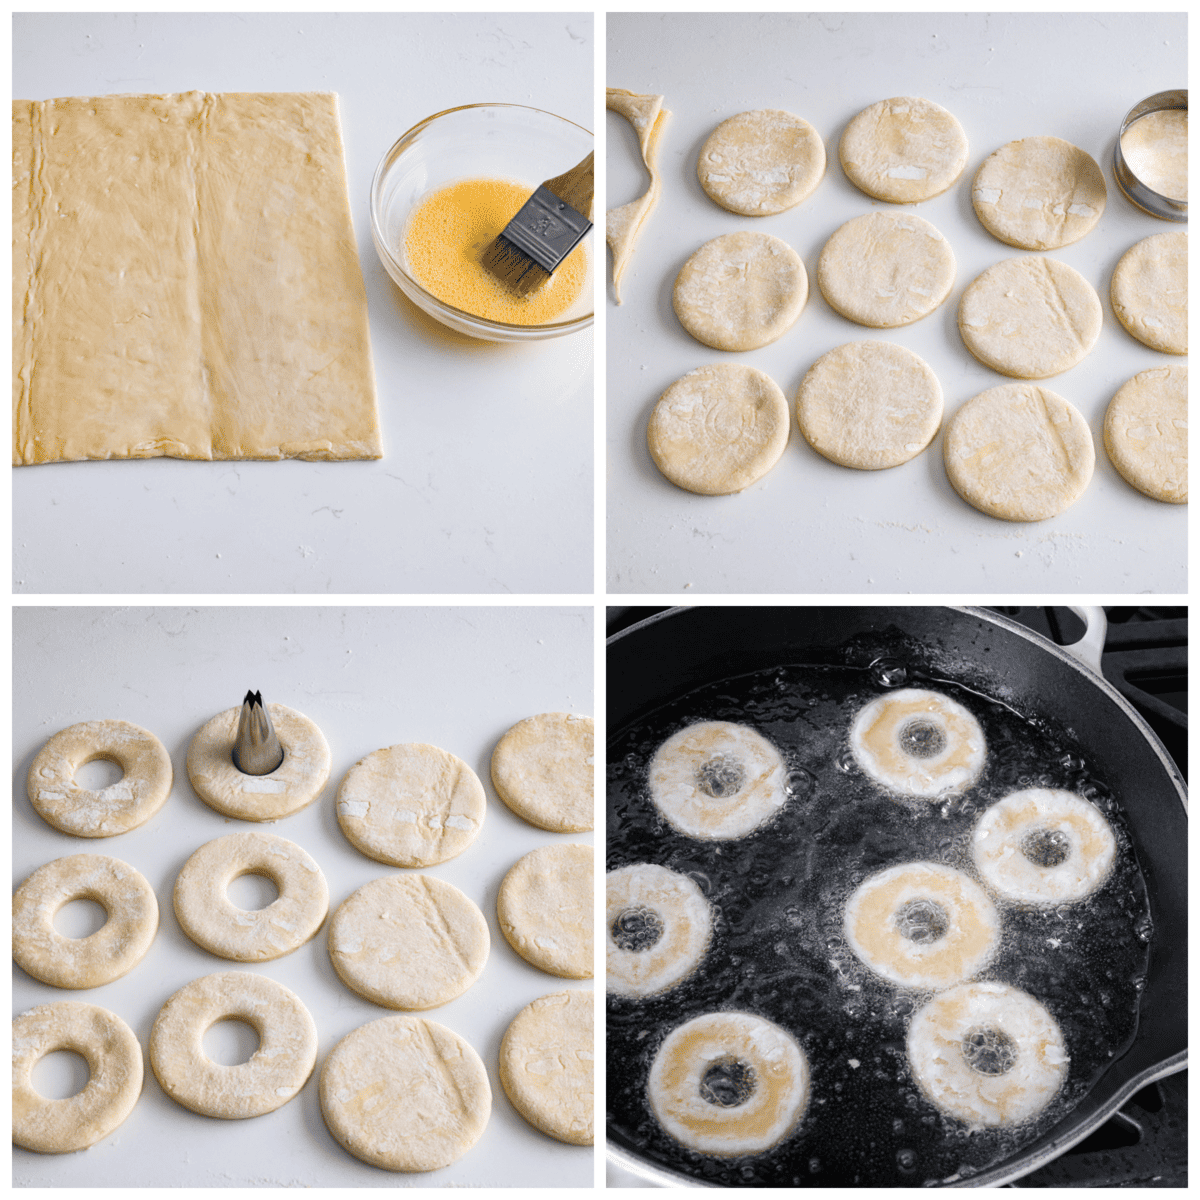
1142	192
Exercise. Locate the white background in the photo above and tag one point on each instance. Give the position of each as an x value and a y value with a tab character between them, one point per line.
812	526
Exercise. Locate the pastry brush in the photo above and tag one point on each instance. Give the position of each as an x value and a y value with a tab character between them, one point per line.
550	224
257	750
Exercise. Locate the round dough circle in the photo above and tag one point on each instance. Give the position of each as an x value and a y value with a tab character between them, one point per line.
1149	292
543	769
717	779
545	909
740	291
918	743
112	951
411	806
869	405
214	922
735	1051
1039	193
761	162
1146	433
114	1059
293	785
886	269
275	1072
1077	855
408	941
405	1094
719	429
664	924
1019	452
118	808
939	1031
547	1065
956	926
903	150
1029	318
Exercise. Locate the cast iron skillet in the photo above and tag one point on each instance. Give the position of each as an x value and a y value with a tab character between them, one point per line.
677	651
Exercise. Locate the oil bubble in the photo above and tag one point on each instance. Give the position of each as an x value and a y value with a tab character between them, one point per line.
906	1160
798	782
889	672
845	761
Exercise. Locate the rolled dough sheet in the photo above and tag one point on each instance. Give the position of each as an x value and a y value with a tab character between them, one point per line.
186	282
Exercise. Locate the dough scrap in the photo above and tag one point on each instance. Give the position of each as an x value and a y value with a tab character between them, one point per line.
1155	150
186	281
719	429
1149	292
543	768
1146	433
545	909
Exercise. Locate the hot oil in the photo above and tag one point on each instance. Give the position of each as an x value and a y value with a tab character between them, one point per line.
778	948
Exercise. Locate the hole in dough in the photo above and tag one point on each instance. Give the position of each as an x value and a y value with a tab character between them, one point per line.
98	774
60	1075
80	918
231	1042
251	892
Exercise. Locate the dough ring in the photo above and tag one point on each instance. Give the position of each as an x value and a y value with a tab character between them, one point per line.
215	923
543	769
869	405
547	1065
118	808
922	925
729	1083
740	291
276	1071
293	785
411	806
761	162
405	1094
545	909
1149	292
112	951
1146	433
1039	193
658	926
716	779
1043	846
408	941
719	429
114	1061
1019	452
987	1054
885	269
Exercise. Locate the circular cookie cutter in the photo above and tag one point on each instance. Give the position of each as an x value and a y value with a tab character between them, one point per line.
1136	190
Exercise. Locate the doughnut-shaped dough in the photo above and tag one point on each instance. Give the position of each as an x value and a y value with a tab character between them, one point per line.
729	1083
214	922
1146	433
293	785
1043	846
112	951
761	162
1149	292
719	429
408	941
922	925
411	805
988	1054
918	743
1039	193
740	291
545	909
543	768
118	808
405	1094
114	1061
276	1071
658	926
547	1065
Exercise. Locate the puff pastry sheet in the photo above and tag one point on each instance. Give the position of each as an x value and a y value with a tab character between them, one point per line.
186	282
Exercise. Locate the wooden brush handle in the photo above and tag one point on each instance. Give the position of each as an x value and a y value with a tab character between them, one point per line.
576	186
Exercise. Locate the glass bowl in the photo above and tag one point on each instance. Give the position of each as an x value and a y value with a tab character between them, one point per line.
504	141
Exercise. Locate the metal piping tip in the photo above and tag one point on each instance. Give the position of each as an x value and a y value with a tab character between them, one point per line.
257	750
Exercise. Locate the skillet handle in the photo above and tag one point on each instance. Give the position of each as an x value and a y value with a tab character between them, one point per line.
1089	647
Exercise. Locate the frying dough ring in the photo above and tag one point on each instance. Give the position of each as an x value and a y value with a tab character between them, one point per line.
1146	433
118	808
543	769
717	779
936	1038
276	1071
666	927
293	785
1001	847
215	923
114	1060
756	1054
1149	292
112	951
957	925
545	909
